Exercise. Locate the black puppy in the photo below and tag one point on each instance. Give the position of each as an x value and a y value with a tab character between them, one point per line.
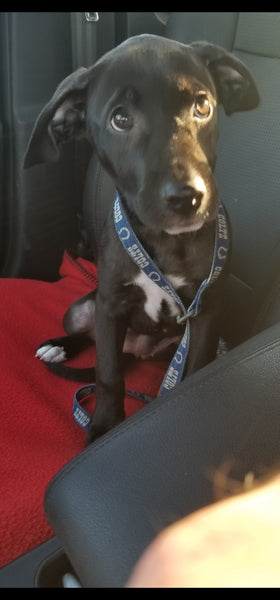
150	109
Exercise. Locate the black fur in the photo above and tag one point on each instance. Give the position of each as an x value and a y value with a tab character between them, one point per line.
150	109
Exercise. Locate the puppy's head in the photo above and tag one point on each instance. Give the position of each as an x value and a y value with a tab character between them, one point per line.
149	108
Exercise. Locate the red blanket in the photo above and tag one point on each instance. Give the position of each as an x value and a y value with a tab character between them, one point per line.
39	434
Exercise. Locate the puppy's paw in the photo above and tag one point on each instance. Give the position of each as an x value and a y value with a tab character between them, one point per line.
49	353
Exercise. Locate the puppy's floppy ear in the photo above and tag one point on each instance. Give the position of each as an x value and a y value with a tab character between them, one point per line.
235	86
62	119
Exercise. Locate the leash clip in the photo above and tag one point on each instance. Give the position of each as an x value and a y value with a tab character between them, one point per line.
181	319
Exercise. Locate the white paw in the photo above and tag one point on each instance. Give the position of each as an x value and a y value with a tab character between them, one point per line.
51	353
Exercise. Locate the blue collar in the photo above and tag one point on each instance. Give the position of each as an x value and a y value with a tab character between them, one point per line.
144	262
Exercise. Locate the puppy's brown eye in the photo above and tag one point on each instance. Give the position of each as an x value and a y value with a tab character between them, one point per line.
121	119
202	107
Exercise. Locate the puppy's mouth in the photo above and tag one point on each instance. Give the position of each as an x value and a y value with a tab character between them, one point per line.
189	227
176	222
187	220
193	220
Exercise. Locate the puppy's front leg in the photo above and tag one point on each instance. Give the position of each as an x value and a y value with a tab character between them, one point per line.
110	389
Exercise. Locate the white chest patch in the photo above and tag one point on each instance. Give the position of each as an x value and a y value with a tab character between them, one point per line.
154	295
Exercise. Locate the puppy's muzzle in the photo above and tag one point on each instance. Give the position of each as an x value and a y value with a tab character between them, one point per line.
188	205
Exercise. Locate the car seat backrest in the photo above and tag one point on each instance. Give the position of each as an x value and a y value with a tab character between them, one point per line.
248	169
216	27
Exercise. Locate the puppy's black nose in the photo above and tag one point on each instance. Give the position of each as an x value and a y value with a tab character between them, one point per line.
182	198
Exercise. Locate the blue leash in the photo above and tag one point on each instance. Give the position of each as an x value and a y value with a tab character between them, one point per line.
144	262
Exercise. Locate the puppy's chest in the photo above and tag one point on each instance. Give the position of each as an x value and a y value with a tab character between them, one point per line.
159	303
183	274
153	309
